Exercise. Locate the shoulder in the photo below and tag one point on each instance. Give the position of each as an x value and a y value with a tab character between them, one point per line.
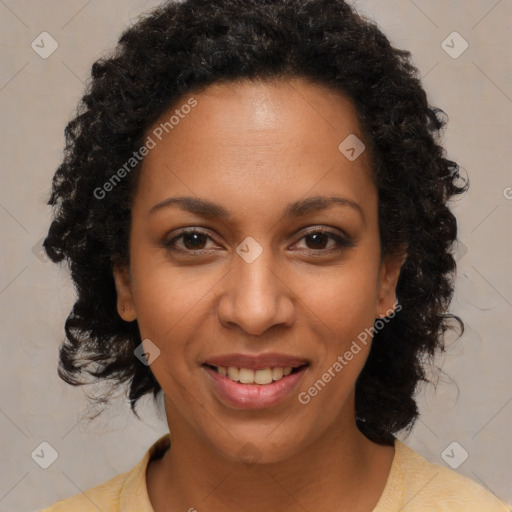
126	491
432	487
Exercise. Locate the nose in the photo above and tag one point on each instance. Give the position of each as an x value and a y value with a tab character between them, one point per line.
255	296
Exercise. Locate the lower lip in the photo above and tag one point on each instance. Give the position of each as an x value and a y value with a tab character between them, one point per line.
254	396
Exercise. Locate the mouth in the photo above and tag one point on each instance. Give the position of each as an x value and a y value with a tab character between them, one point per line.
262	376
249	388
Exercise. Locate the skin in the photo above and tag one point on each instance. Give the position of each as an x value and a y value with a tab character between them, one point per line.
255	147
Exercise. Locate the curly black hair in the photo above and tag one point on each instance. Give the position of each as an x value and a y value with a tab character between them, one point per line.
179	48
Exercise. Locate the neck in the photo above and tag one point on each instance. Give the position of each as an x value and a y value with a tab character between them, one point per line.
339	470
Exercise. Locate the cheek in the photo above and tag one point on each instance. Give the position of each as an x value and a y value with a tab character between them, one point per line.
166	298
346	310
343	299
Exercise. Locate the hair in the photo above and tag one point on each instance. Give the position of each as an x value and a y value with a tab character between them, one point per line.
180	48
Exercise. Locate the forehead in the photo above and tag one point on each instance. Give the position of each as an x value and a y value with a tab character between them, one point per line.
264	106
255	137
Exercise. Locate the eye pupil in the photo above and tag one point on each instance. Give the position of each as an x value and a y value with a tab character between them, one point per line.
196	237
315	237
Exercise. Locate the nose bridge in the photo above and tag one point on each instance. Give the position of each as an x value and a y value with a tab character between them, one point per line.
255	280
255	298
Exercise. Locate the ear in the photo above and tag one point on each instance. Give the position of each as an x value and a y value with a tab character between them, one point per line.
388	277
125	303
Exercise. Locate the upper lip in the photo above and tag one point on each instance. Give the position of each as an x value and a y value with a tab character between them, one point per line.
256	362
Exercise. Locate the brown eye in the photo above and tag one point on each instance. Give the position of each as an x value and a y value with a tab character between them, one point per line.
192	240
318	240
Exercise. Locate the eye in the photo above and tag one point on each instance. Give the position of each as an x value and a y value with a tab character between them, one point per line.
319	238
193	240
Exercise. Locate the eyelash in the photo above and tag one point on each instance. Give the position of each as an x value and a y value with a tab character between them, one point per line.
342	242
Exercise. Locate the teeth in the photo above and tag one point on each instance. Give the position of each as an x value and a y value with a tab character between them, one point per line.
246	376
234	373
277	373
263	376
250	376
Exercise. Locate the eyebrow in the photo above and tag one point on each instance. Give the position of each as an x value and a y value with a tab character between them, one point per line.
210	210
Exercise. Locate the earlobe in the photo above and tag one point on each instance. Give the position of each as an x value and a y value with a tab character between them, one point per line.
125	303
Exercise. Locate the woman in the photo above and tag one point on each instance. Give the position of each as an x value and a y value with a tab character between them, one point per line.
253	204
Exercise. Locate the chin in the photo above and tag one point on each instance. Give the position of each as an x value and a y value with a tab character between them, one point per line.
260	449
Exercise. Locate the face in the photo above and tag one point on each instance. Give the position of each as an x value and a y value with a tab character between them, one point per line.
256	270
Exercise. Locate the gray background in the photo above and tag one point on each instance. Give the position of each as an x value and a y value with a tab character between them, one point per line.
472	404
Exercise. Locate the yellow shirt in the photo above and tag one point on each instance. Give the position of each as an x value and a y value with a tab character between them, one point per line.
413	485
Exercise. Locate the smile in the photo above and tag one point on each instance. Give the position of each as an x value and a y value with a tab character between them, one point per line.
247	388
250	376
